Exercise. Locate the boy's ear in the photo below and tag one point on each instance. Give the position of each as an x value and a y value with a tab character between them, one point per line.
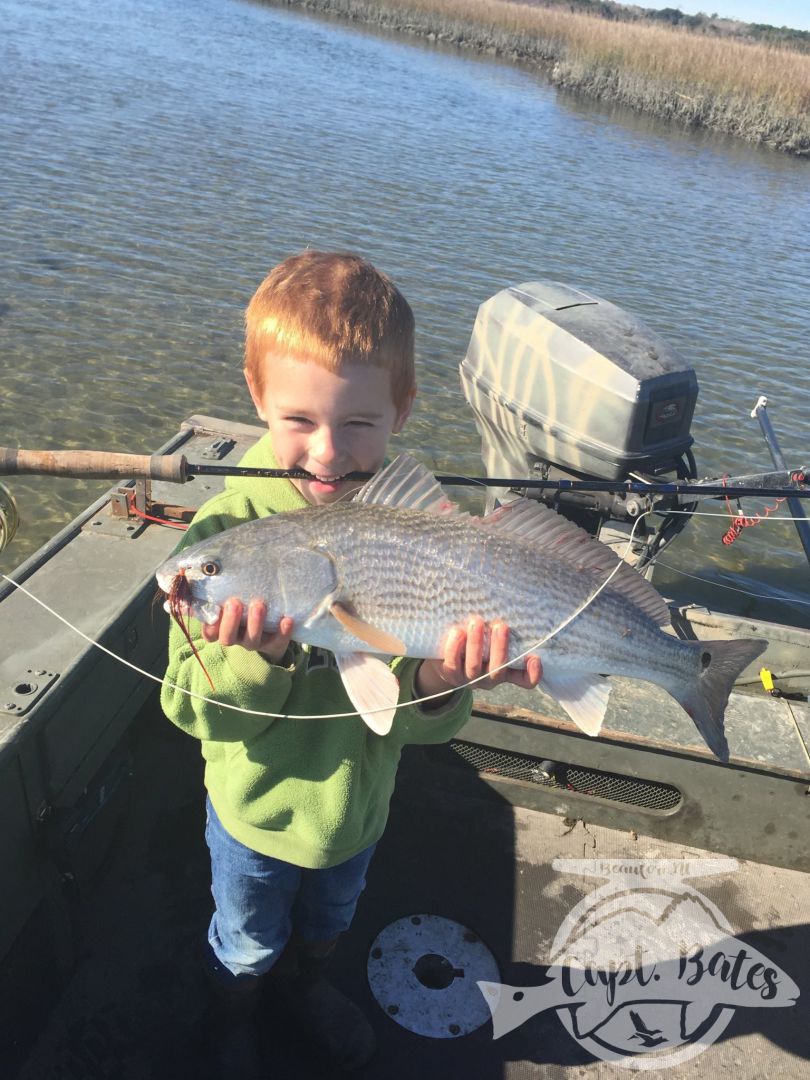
404	413
255	395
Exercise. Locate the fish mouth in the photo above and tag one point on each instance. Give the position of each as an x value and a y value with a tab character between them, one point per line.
164	581
181	602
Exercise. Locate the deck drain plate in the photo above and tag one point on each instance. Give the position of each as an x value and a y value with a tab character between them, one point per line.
423	971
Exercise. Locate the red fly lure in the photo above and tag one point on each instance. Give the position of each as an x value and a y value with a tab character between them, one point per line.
180	596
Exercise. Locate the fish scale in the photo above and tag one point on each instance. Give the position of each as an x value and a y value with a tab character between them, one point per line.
424	554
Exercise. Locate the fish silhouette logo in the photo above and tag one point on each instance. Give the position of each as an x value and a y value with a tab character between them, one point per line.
645	971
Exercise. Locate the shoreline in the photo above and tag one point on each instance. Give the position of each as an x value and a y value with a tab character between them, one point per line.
757	93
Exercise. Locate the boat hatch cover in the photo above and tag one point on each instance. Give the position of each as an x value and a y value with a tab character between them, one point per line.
423	971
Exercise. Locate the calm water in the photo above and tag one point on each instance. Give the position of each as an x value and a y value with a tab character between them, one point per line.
159	157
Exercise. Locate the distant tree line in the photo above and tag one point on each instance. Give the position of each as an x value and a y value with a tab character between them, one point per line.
701	23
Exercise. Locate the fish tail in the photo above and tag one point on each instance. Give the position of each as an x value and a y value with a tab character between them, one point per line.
705	697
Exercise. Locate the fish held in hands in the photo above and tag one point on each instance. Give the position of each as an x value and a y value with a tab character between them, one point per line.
394	571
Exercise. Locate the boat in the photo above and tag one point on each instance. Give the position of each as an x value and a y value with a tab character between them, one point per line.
501	845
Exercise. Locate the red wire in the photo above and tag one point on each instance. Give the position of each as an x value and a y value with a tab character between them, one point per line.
148	517
740	521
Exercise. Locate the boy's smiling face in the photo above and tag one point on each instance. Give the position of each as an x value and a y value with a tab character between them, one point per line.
328	423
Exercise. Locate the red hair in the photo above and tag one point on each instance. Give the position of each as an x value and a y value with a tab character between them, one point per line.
332	309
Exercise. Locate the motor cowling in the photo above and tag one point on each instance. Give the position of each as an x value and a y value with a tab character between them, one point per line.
564	384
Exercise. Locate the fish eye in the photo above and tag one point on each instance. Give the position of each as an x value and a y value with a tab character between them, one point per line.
210	567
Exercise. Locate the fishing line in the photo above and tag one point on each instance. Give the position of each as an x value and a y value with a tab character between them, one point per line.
722	514
327	716
733	588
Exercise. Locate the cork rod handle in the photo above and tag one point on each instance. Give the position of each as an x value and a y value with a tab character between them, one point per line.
93	464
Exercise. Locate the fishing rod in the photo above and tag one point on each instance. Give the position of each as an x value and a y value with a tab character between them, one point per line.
176	468
767	485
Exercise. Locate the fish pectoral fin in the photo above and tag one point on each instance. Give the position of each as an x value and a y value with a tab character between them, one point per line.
380	640
584	698
372	687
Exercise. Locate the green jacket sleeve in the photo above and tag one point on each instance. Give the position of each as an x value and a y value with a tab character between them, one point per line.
413	724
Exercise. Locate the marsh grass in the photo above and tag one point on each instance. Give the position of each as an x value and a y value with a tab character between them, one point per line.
756	92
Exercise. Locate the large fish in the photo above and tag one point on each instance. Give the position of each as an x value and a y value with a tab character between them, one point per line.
391	572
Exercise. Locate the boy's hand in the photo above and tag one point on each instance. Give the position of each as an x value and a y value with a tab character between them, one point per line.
465	660
228	630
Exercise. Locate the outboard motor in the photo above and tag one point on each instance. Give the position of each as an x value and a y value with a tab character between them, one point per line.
565	385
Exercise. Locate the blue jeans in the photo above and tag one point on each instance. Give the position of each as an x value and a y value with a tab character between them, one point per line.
261	901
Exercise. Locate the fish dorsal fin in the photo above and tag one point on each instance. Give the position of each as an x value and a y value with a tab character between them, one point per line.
406	483
544	529
380	640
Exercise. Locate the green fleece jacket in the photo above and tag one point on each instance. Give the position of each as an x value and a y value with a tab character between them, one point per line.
310	792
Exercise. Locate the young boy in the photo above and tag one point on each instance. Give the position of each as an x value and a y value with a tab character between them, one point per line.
296	807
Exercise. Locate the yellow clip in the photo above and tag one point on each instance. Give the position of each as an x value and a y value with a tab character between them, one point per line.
767	679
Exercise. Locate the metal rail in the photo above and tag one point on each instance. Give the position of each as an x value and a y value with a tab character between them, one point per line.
800	519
